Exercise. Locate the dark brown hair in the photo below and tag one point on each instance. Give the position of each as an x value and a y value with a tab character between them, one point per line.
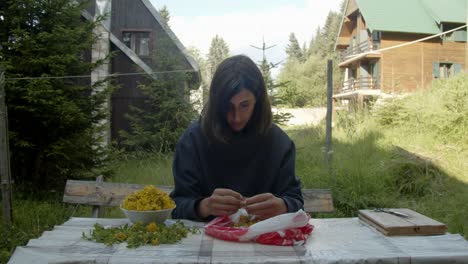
232	75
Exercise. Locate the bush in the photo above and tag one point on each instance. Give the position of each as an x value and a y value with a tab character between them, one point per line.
441	111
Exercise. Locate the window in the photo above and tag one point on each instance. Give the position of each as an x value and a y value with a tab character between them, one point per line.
455	36
445	69
139	42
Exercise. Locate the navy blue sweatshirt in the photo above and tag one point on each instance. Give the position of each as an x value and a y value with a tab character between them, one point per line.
248	164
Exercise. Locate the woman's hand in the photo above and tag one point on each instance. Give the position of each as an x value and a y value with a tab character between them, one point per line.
265	205
221	202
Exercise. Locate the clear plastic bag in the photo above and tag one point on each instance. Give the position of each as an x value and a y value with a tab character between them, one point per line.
282	230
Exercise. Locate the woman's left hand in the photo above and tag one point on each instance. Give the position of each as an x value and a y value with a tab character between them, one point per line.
265	205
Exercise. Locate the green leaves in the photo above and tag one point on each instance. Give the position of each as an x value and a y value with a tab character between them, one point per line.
52	121
304	72
441	111
139	234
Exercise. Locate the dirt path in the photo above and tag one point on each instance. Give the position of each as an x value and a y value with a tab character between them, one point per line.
304	116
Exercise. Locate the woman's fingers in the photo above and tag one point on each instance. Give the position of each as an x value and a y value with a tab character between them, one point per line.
222	209
228	192
258	200
224	202
265	205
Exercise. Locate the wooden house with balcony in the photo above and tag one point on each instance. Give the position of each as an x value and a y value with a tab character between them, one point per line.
370	26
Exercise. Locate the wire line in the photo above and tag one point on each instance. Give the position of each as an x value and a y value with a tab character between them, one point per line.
89	75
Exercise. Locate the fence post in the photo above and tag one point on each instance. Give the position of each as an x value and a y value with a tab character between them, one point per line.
98	211
466	47
328	135
5	176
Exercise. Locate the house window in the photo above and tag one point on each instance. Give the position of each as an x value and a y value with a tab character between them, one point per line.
445	69
455	36
139	42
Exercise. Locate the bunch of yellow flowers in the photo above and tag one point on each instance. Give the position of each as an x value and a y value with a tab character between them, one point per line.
244	221
148	199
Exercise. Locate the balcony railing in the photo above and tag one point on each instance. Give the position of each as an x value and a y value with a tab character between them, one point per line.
353	84
360	48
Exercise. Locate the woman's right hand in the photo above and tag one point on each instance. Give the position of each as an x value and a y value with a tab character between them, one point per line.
221	202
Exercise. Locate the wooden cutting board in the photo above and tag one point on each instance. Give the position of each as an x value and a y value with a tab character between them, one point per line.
391	225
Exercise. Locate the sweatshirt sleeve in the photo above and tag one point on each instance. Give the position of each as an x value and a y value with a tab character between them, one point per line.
288	185
186	171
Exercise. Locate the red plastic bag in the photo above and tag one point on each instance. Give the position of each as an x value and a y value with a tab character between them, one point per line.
282	230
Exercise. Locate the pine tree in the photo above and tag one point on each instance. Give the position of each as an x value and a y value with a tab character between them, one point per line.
324	41
165	15
167	112
314	42
293	49
219	51
305	81
275	99
331	29
305	51
202	64
343	6
52	122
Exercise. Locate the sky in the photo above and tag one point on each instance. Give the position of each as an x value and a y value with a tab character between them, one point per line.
242	23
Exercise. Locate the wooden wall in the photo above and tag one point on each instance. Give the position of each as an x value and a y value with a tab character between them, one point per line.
132	15
126	94
351	27
409	68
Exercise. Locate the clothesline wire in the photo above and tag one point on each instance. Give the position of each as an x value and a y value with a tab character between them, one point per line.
89	75
175	71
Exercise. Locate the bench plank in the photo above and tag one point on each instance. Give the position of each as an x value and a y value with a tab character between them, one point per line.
112	194
318	200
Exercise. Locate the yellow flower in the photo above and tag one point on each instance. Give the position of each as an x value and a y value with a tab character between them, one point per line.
149	198
155	242
152	227
120	236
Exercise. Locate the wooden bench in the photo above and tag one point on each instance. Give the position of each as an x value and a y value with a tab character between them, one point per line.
98	194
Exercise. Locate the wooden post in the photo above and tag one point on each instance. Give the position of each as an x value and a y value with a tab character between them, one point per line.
5	176
328	135
466	47
98	211
99	52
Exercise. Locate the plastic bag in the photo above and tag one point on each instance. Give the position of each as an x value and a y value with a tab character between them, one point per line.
282	230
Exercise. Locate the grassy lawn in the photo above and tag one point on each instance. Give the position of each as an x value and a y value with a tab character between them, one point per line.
371	170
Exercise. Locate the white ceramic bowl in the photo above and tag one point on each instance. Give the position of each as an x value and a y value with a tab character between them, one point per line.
147	217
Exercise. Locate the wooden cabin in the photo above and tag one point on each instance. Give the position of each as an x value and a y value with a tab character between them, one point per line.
133	30
371	25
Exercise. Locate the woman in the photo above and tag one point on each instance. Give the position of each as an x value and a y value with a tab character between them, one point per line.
234	156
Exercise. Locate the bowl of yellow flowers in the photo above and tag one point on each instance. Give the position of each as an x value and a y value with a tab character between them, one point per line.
148	205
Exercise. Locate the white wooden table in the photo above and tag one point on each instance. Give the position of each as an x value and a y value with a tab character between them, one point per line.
337	240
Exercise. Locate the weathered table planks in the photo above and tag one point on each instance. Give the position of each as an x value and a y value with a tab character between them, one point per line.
111	194
338	240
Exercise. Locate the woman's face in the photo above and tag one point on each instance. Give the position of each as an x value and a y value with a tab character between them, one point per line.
241	107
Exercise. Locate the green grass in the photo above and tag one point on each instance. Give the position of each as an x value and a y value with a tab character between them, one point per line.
369	171
412	153
32	215
144	169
